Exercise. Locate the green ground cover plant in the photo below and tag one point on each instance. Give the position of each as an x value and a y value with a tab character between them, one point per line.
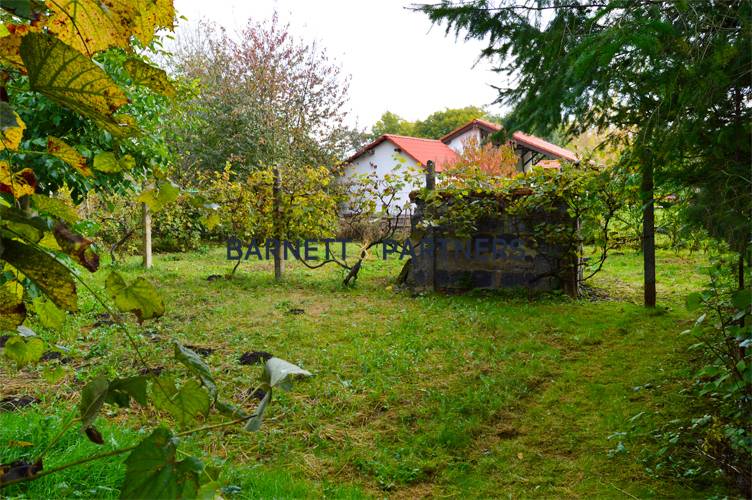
478	395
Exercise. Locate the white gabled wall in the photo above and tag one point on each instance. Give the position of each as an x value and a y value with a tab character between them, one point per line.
458	143
386	160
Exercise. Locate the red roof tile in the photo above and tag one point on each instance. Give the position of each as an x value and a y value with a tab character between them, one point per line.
478	122
538	144
419	149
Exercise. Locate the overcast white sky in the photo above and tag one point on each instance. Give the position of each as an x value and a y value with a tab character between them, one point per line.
397	60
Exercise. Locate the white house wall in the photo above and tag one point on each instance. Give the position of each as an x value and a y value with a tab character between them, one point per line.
458	143
386	160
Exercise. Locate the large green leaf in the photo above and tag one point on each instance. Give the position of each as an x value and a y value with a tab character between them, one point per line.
108	162
185	404
49	314
277	373
23	351
69	78
123	389
20	225
197	366
54	207
154	78
140	297
12	308
152	470
230	410
280	373
53	278
158	197
93	397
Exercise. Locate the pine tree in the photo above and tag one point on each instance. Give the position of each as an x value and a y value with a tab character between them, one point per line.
676	75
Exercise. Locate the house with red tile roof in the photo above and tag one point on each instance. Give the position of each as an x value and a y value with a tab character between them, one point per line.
394	152
477	130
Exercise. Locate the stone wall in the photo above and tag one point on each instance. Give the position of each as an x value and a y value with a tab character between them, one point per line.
503	253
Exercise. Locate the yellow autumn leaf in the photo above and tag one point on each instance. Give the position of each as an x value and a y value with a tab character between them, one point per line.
12	131
153	15
10	46
73	80
153	78
91	26
19	183
59	149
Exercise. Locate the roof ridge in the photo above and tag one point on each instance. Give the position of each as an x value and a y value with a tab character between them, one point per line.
412	137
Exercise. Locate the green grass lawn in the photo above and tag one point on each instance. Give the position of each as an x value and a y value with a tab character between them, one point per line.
476	395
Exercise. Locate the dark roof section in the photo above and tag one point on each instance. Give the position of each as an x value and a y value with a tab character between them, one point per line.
489	127
419	149
544	147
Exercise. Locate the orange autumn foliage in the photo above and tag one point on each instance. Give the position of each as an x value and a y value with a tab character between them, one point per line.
496	161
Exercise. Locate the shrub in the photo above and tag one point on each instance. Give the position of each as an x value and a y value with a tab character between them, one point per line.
177	227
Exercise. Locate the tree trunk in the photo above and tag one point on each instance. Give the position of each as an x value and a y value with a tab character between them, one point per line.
277	195
147	236
430	186
648	233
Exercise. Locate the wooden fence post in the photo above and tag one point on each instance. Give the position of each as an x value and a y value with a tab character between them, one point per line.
430	175
277	200
146	222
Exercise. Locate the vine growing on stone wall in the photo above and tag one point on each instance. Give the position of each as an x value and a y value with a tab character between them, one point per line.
571	208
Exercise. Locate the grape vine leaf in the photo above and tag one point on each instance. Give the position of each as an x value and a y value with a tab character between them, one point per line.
108	162
254	423
20	225
279	373
49	315
12	127
21	183
185	404
45	271
158	197
76	246
10	46
93	397
150	77
153	472
91	26
230	410
59	149
197	366
12	308
154	14
140	297
123	389
54	207
23	351
69	78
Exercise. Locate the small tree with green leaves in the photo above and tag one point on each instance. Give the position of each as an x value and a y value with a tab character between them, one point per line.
56	45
